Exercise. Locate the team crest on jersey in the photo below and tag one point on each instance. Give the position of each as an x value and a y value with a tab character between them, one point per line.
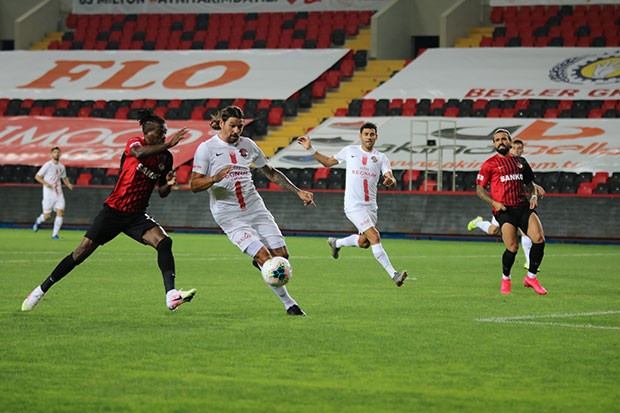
374	159
243	152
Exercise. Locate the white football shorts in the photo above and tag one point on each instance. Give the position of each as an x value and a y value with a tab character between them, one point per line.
363	219
53	203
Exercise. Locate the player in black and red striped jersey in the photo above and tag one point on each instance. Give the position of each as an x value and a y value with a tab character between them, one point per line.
145	163
511	178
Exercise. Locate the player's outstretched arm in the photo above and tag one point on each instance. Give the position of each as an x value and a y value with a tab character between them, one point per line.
283	182
149	150
324	160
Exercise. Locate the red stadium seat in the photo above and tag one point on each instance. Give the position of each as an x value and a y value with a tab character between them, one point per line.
319	89
275	117
428	185
84	179
321	173
184	173
586	188
451	112
600	178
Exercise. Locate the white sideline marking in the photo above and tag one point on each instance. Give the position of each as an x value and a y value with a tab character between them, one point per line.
525	320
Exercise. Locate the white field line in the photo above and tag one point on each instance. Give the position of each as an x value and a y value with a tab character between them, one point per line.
526	320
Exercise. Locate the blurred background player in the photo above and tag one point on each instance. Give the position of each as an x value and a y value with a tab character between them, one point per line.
492	227
509	178
145	163
364	167
50	176
222	167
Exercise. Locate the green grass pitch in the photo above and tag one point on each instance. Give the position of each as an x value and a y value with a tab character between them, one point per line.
103	340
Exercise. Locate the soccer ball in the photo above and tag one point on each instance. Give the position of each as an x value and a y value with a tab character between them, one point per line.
276	271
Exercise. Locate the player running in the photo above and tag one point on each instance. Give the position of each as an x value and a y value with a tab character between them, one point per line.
146	162
365	166
509	178
492	227
50	175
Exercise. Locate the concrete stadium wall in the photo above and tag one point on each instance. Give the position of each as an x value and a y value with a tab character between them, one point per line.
399	213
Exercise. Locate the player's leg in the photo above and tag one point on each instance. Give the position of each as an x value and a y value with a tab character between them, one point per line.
335	244
493	229
155	236
526	243
60	212
354	240
511	242
535	232
64	267
490	227
273	239
257	239
260	255
46	205
365	221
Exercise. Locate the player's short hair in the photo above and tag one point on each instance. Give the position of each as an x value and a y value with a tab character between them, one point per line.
499	130
54	148
368	125
225	114
148	120
518	142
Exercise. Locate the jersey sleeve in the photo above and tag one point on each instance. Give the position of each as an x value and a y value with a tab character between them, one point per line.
259	158
341	155
201	160
43	169
132	143
484	175
385	165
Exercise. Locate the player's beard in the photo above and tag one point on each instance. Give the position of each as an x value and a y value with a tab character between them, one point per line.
503	150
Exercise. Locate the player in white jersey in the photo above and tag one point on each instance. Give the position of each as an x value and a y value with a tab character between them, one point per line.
50	176
365	166
222	167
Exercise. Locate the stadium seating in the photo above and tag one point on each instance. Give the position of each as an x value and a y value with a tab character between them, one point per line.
524	26
592	25
210	31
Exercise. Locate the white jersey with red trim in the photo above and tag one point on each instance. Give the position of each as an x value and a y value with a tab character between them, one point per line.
364	169
52	173
236	192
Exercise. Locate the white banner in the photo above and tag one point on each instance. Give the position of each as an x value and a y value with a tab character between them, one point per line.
578	145
91	142
192	74
221	6
508	73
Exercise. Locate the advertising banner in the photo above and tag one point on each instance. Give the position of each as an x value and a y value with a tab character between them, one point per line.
508	73
572	145
85	142
136	74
